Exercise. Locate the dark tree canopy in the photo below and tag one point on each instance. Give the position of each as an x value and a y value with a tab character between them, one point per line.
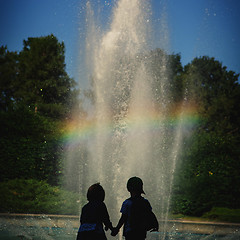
42	72
210	168
36	96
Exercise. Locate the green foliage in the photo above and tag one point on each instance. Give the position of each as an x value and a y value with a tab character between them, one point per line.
208	174
43	82
30	146
36	77
215	91
36	96
32	196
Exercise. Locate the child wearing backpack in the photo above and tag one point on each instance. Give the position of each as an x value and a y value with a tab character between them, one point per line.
137	216
94	215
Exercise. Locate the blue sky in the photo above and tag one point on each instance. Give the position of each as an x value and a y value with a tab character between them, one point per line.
195	27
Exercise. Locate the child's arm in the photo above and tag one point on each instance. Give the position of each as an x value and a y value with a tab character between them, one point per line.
108	225
106	218
121	221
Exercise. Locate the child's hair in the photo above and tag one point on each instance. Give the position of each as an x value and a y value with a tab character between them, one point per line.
135	184
96	192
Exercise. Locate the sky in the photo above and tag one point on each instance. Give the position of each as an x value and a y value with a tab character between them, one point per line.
195	27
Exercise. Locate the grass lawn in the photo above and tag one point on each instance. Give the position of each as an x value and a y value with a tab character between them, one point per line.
216	215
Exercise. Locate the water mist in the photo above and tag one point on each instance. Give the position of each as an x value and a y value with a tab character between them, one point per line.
133	135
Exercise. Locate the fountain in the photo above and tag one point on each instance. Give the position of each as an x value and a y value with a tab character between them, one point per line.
135	132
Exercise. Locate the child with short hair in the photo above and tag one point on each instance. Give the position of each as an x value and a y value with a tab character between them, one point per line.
94	215
137	216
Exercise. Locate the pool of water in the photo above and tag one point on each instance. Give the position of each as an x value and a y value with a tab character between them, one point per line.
192	236
54	233
37	233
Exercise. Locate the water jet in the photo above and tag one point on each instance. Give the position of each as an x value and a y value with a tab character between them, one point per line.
135	131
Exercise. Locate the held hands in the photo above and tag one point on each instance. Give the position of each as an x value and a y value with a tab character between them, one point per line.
114	232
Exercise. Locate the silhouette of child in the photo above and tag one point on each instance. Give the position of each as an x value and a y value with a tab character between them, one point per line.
94	215
137	216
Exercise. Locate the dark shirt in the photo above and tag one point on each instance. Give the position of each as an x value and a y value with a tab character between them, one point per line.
132	226
94	215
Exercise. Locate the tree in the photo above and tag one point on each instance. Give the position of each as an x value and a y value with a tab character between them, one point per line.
37	95
43	82
209	174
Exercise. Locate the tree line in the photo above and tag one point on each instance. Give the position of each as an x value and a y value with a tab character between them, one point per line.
37	97
208	172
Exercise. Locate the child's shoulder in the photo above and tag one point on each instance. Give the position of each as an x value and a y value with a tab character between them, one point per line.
127	201
141	202
94	204
145	199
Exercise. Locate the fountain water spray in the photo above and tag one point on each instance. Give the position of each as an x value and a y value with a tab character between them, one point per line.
134	134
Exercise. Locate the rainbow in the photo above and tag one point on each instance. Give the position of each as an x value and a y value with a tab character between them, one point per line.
76	131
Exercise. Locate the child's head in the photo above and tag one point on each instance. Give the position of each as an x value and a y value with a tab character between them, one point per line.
96	192
135	185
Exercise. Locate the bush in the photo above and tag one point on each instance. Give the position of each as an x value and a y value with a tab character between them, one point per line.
33	196
189	204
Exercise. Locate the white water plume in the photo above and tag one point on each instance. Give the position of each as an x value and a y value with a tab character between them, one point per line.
133	135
